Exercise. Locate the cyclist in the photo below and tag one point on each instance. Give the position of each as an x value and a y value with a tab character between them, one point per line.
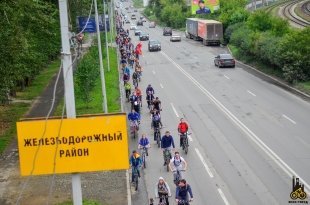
144	142
139	94
133	98
182	129
156	118
149	99
127	89
157	104
162	190
135	77
136	107
182	191
177	163
127	70
126	78
135	163
134	117
167	143
150	90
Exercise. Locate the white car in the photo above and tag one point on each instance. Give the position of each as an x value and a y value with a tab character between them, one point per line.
133	27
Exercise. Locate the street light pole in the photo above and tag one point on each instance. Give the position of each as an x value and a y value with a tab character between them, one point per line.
69	88
106	34
104	93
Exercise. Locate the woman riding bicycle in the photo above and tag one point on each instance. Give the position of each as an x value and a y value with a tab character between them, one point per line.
162	191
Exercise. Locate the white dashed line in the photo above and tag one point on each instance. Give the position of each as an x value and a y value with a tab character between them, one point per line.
204	163
223	196
289	119
174	110
226	77
251	93
153	71
161	85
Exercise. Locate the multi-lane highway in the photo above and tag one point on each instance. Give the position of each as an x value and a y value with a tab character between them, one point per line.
249	137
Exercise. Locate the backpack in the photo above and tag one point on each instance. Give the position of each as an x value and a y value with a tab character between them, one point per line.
156	118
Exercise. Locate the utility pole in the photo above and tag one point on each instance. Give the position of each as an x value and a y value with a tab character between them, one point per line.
104	93
106	34
69	88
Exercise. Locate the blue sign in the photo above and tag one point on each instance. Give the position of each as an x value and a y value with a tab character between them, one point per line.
91	25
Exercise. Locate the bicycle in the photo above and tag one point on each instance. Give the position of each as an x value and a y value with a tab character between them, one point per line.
183	202
162	199
177	176
167	157
134	128
135	178
185	145
157	135
135	82
144	154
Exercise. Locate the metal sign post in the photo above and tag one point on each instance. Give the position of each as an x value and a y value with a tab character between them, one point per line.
69	89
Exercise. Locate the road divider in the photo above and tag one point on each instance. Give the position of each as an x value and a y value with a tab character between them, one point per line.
251	93
223	196
226	77
161	85
289	119
252	136
174	110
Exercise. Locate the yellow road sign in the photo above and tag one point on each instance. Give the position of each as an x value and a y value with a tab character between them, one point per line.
91	143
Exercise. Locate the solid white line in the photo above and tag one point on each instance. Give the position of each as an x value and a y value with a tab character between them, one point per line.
174	110
161	85
289	119
153	71
251	93
190	138
128	188
223	196
276	159
226	77
204	162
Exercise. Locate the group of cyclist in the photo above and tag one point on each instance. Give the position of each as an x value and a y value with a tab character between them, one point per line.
129	61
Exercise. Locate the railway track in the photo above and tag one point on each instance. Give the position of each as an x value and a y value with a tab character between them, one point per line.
288	13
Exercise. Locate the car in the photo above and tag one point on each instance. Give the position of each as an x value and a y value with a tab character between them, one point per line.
175	37
129	11
135	10
133	27
224	60
137	32
127	21
154	45
152	24
126	8
167	31
139	23
143	36
133	17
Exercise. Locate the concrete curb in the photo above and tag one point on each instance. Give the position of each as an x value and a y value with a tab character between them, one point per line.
275	81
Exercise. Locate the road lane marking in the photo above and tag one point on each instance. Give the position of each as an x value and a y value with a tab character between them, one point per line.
289	119
174	110
161	85
190	138
204	163
251	93
223	196
275	158
153	71
227	77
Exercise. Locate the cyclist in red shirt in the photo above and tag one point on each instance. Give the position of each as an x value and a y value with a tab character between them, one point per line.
182	129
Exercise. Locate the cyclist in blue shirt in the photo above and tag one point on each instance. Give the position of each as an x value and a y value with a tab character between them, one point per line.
150	90
167	143
144	142
134	116
135	163
182	192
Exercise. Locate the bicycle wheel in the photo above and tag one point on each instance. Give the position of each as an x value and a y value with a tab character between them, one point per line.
136	182
144	162
158	139
185	145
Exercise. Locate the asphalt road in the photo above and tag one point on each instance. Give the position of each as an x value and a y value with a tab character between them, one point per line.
249	137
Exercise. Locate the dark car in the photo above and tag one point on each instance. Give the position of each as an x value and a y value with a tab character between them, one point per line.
137	32
143	36
224	60
135	10
139	23
133	17
167	31
154	45
127	21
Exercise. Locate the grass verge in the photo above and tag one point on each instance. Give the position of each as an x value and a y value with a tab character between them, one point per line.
138	3
303	86
10	114
112	89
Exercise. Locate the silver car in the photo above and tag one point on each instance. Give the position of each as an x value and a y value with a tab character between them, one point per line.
224	60
175	37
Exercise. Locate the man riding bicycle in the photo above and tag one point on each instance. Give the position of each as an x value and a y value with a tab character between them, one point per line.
157	104
167	143
127	89
150	90
177	163
144	143
149	99
162	191
182	192
138	94
182	129
156	118
135	163
134	118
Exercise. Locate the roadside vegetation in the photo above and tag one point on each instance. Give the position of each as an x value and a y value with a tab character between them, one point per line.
138	3
85	202
258	38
